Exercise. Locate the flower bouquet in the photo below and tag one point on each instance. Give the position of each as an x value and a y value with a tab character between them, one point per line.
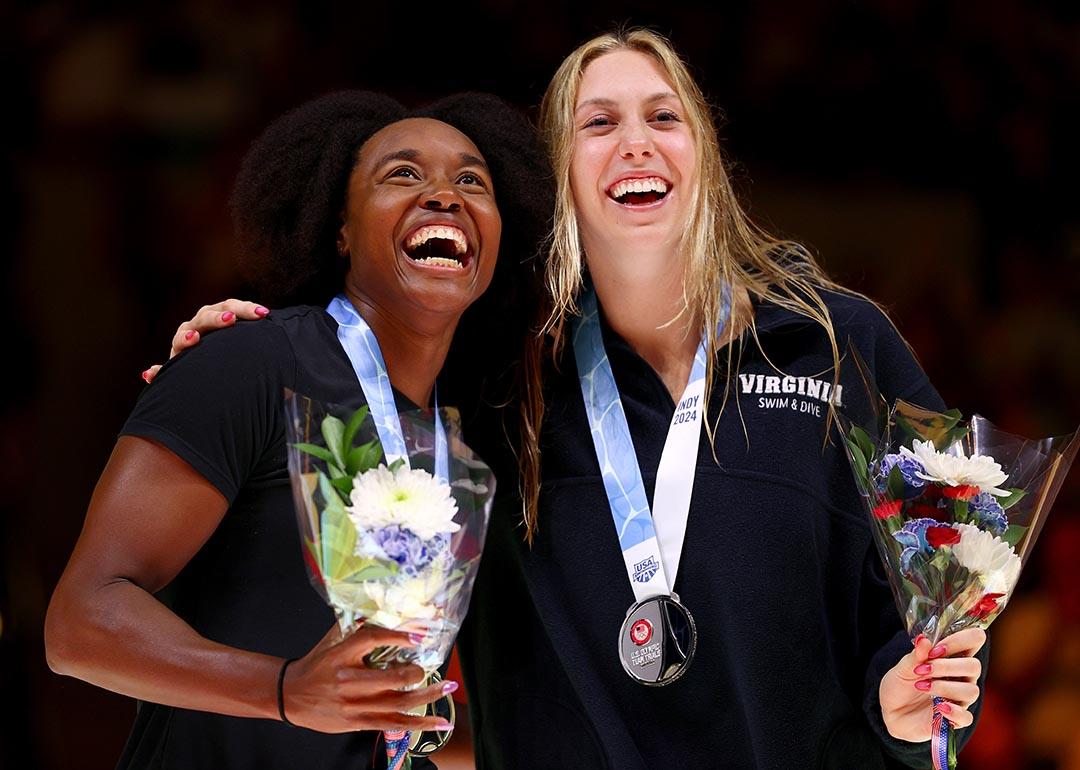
955	507
395	544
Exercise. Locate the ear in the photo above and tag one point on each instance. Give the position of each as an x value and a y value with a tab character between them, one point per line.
342	238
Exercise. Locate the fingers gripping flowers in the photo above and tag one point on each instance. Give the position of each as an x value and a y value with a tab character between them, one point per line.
952	537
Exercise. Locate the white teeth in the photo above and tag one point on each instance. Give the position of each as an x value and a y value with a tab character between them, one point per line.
650	184
444	232
439	262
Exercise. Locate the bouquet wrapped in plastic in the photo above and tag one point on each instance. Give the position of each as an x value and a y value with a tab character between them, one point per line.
955	507
395	544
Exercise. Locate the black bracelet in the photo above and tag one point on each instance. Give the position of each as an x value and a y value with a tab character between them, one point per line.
281	691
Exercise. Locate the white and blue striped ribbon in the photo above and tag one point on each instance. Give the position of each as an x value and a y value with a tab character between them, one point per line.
362	348
651	541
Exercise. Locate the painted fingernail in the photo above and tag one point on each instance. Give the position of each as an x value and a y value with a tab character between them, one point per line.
227	316
443	725
923	669
416	638
918	639
943	707
938	651
262	311
189	335
449	687
923	684
146	376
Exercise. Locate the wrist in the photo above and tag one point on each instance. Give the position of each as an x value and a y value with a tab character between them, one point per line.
281	704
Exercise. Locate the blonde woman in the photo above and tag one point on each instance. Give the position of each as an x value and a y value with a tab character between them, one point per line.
693	584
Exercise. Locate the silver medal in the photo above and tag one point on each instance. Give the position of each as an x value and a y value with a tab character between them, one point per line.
657	641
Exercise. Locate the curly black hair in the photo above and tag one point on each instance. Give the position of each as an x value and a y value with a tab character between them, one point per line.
291	189
292	184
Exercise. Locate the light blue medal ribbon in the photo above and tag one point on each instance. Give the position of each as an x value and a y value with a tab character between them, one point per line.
360	345
651	541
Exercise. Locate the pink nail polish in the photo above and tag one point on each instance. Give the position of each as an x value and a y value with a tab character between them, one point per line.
262	311
923	684
189	335
938	651
146	376
416	638
923	669
449	687
944	707
918	639
443	725
227	316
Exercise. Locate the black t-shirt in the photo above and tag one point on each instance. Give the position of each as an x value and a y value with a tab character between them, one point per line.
219	407
796	621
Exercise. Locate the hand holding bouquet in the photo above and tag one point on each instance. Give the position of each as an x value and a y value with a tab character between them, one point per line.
395	545
955	507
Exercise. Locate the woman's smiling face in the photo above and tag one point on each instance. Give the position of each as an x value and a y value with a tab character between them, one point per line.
420	225
633	167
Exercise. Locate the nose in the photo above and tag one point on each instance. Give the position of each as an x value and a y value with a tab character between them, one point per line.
635	141
441	199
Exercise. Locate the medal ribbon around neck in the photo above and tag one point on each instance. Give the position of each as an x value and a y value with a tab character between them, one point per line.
362	348
651	541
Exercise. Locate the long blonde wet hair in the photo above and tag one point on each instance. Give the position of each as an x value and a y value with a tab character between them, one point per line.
719	241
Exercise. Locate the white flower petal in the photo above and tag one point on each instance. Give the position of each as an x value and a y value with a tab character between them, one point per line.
411	499
990	557
956	469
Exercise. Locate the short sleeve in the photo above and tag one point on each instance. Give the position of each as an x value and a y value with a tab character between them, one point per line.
216	405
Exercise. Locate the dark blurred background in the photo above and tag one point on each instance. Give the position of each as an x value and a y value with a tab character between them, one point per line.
927	151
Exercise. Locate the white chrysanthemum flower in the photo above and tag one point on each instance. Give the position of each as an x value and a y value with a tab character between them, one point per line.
988	556
957	470
406	600
411	498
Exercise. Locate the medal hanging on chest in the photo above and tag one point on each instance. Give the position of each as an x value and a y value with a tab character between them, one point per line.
658	638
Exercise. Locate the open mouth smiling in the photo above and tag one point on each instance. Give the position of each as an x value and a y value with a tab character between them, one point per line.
442	246
639	192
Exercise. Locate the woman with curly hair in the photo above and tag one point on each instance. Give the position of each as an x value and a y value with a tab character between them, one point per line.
186	589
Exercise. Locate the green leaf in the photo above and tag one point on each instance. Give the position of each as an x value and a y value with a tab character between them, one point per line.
355	422
333	430
338	540
1014	496
363	458
961	511
344	484
954	415
865	443
374	571
317	451
859	464
1014	534
396	464
896	483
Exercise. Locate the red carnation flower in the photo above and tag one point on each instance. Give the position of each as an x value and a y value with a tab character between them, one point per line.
960	492
987	605
939	536
924	511
888	508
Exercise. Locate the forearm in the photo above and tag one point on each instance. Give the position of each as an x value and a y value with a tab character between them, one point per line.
118	636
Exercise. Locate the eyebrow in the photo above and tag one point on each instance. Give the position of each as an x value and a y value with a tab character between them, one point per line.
467	159
604	102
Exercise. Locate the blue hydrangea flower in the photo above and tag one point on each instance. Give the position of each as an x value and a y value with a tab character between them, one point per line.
913	539
407	549
988	513
909	468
